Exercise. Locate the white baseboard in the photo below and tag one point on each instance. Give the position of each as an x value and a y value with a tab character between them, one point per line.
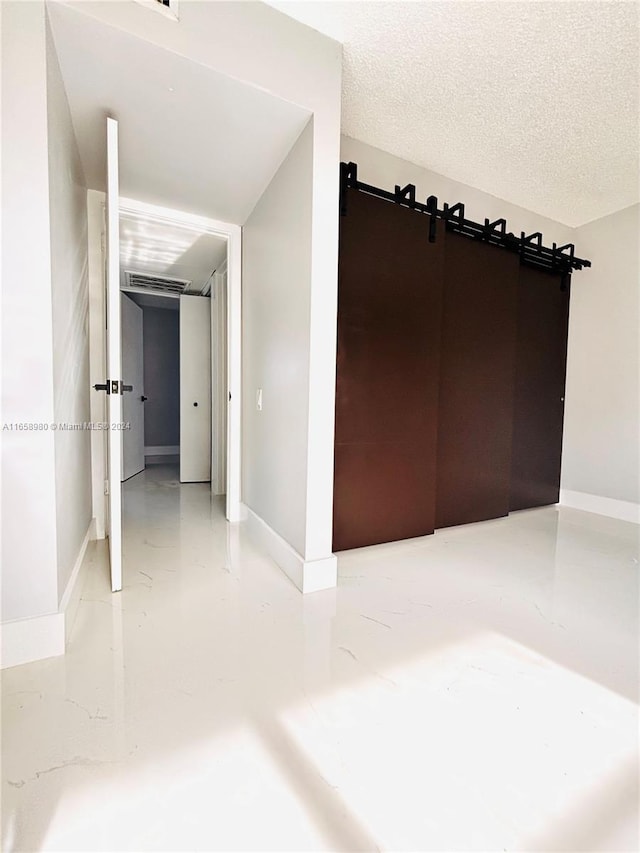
71	597
99	532
66	596
624	510
307	575
163	450
28	640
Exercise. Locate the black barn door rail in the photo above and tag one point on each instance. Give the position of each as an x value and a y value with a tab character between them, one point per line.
557	259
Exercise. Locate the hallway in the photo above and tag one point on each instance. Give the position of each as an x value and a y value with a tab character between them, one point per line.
473	690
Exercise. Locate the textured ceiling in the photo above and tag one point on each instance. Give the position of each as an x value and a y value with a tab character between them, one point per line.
533	102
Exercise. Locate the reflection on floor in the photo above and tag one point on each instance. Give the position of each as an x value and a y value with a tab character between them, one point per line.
473	690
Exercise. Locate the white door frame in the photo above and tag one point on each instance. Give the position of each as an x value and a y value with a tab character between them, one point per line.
131	347
219	380
233	235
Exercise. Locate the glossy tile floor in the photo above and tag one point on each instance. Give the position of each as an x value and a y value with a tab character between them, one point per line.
473	690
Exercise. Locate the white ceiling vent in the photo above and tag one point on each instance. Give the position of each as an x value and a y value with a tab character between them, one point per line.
155	283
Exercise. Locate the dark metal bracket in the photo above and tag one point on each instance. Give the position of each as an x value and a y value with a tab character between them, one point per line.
498	227
348	178
453	215
532	239
432	207
407	194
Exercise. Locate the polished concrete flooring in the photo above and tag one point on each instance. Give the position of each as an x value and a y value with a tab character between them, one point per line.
472	690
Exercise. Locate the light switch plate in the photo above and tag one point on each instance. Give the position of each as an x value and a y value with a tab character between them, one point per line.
259	399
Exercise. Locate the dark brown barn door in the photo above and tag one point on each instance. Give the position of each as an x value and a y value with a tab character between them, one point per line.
389	314
541	358
476	382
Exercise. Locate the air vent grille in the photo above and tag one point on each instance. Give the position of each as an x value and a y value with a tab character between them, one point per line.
156	283
165	7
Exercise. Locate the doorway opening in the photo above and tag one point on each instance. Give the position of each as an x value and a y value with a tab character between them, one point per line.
151	363
170	487
165	258
173	306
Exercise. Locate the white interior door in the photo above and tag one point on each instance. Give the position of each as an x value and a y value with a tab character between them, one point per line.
195	389
114	395
132	376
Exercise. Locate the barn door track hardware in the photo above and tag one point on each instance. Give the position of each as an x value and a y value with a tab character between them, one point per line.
529	247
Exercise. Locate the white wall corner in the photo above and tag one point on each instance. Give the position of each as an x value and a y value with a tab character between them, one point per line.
98	531
27	640
623	510
307	575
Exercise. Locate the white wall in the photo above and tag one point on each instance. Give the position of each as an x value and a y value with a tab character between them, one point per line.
70	319
384	170
161	348
275	333
601	453
29	548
